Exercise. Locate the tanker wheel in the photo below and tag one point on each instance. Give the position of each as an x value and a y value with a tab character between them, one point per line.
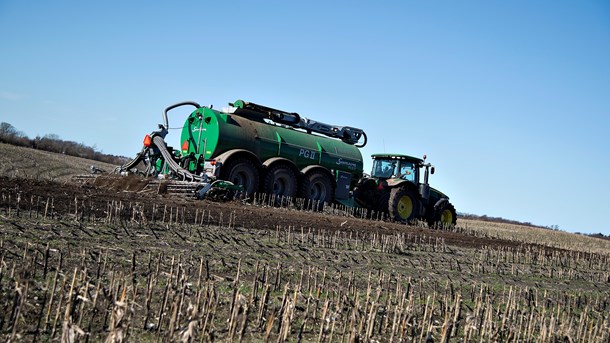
241	171
280	181
444	215
403	205
316	189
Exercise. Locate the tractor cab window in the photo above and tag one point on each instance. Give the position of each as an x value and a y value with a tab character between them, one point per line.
407	171
384	168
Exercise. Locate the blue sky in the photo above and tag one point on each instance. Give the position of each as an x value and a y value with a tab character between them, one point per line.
510	100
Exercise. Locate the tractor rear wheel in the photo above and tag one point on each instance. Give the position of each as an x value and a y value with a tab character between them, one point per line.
281	181
403	205
444	215
241	171
317	189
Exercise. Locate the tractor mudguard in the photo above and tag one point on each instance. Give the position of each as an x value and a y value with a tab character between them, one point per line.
395	182
440	202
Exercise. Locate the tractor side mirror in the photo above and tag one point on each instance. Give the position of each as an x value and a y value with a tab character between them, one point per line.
432	170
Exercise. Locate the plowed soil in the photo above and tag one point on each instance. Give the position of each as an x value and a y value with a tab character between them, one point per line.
104	189
112	237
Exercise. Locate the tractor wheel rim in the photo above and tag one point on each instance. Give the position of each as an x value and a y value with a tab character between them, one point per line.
405	207
446	217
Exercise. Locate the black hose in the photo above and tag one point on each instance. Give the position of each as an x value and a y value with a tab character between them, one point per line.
159	142
363	143
165	121
134	162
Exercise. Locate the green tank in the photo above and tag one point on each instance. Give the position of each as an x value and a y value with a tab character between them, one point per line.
272	151
211	133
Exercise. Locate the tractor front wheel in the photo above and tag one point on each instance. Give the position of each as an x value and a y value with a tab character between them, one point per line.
444	215
403	205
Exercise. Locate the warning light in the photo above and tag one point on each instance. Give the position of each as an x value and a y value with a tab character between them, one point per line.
185	146
147	141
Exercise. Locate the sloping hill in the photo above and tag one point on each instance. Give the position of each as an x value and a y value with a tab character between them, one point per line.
36	164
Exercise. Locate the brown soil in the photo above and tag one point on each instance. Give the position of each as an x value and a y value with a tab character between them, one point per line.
109	232
102	190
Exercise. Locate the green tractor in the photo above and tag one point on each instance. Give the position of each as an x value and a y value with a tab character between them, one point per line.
395	187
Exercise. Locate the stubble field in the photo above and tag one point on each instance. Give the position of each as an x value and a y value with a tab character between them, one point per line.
105	261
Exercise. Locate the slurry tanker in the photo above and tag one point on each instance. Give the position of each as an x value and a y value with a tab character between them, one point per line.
258	149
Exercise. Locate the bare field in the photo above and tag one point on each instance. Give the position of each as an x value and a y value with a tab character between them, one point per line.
93	262
31	163
535	235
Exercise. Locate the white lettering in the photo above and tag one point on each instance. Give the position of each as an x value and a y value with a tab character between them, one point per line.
307	154
350	165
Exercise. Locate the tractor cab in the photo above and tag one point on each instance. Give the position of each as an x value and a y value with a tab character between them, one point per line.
394	166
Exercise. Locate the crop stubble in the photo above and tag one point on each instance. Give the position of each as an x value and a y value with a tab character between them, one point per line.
86	264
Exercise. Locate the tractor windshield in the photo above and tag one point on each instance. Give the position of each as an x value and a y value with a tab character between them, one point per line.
388	168
408	171
383	168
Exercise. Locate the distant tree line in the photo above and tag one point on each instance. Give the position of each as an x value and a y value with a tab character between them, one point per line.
595	235
52	143
509	221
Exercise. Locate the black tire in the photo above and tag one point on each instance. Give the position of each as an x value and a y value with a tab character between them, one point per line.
241	171
281	181
383	202
403	205
444	215
317	189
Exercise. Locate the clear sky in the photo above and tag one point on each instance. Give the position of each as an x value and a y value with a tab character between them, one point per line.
509	99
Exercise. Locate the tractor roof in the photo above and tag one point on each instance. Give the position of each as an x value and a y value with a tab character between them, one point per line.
397	157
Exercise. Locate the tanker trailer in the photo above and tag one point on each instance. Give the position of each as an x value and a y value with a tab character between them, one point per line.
260	148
